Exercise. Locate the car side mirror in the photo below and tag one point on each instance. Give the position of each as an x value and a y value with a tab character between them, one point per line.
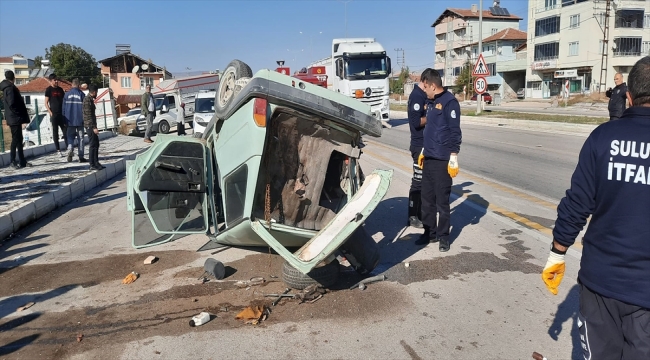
164	109
388	65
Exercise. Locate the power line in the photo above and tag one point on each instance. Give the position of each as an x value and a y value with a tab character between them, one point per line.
400	62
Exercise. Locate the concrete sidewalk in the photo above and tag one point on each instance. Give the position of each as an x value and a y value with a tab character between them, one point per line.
30	193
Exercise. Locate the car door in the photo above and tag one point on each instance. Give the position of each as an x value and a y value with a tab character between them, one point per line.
168	192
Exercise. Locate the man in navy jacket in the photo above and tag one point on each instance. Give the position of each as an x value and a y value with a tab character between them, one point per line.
73	112
611	184
417	119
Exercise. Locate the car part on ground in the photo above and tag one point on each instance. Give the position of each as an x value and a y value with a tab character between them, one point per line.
325	275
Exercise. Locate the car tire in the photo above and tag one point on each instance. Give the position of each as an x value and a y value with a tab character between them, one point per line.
163	127
361	251
325	275
227	90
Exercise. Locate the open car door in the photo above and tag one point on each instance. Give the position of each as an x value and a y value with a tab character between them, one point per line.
338	230
168	190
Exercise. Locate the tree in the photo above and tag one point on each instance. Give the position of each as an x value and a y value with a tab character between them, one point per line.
464	79
38	61
397	85
71	62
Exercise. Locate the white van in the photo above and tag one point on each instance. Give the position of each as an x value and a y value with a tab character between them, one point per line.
203	111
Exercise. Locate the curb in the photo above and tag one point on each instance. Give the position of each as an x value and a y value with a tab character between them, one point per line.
32	211
33	151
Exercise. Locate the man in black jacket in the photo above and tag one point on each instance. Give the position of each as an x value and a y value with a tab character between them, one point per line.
617	97
611	184
17	118
90	123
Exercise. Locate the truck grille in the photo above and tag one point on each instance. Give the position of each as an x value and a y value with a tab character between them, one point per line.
375	99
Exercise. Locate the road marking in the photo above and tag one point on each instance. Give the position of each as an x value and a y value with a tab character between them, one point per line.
483	203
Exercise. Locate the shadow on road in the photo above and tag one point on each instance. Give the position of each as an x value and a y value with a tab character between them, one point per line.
17	344
568	309
10	304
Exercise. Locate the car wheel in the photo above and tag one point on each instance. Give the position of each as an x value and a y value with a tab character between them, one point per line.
227	91
163	127
325	275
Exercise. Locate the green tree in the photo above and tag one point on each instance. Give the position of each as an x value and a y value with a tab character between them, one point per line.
397	85
465	79
38	61
71	62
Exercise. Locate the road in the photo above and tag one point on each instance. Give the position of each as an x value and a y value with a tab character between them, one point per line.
468	303
539	163
546	110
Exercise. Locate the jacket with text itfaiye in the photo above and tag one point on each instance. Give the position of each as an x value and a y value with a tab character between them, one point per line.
612	184
442	135
73	107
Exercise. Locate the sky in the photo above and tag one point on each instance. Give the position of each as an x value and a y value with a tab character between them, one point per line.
189	36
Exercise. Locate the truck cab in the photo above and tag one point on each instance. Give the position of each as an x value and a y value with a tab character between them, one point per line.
203	111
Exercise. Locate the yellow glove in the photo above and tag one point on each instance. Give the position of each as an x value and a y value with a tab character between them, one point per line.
452	168
421	159
130	278
553	272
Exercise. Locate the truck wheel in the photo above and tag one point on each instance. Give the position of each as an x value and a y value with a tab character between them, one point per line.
361	251
227	91
325	275
163	127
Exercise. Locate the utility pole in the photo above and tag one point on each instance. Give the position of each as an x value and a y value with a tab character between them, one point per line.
401	62
605	50
479	97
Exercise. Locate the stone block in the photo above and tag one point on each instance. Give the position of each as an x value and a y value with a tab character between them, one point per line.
6	226
76	189
23	216
62	196
110	170
44	205
101	176
90	181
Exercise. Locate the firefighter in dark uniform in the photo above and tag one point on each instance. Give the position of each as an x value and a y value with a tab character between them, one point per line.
417	120
439	159
611	184
617	98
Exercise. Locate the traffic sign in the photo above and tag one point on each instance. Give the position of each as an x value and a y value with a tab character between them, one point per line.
480	85
480	68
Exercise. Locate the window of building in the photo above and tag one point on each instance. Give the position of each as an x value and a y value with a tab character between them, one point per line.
600	17
645	50
547	51
574	21
492	68
494	31
627	46
629	19
601	45
547	26
535	85
550	3
573	48
125	82
18	82
646	21
144	81
572	2
28	100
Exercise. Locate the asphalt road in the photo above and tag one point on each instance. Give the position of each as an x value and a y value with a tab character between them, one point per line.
574	110
540	163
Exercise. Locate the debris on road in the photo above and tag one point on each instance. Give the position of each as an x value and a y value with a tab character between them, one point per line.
26	306
538	356
252	282
275	302
215	268
310	294
200	319
150	260
253	314
80	337
368	281
133	276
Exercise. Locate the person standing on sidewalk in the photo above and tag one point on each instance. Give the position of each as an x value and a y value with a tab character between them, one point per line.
17	118
73	112
148	106
439	159
180	127
417	119
90	124
617	98
611	184
54	104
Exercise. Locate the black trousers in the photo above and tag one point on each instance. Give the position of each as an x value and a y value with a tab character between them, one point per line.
180	129
436	189
612	329
415	207
57	122
17	145
93	147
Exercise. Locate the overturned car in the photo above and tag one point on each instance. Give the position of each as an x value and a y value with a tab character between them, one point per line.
277	166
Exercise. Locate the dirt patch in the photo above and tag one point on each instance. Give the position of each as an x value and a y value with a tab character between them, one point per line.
35	278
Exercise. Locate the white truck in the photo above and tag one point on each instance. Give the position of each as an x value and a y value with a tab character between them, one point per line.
169	95
359	68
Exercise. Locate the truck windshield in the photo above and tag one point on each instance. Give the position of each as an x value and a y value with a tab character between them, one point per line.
204	105
366	68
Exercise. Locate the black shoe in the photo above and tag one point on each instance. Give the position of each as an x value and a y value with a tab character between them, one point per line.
444	245
425	239
415	222
83	160
24	165
96	167
70	156
15	165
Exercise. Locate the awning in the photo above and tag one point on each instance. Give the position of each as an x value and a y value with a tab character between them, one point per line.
533	77
128	99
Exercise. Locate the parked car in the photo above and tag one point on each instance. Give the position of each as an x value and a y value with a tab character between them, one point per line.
131	116
486	97
277	166
203	111
521	93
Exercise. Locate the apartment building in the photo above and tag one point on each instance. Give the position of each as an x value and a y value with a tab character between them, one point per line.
20	65
457	29
566	42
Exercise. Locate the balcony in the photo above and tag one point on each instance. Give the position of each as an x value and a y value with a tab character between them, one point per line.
547	8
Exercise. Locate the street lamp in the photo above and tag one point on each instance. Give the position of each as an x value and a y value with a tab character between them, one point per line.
346	15
311	41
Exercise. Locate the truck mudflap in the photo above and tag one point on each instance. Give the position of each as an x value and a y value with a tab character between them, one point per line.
338	230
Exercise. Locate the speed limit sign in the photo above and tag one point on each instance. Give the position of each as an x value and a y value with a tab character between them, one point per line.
480	85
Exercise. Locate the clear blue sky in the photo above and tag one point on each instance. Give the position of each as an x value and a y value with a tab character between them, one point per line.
206	35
